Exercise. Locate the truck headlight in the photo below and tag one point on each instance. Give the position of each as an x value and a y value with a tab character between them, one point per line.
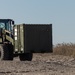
16	50
15	34
15	30
15	37
21	49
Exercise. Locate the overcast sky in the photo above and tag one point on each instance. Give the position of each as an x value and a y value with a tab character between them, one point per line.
61	13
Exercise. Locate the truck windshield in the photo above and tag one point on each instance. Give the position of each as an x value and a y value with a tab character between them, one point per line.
2	25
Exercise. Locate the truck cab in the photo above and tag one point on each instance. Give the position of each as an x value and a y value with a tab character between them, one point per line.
6	26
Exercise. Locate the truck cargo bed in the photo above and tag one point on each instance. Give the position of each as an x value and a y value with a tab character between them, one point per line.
34	38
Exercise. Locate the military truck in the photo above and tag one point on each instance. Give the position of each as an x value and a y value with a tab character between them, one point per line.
24	39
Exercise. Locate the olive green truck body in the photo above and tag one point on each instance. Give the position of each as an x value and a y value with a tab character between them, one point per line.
24	39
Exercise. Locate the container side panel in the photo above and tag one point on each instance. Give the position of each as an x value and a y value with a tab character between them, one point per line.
38	38
19	41
22	38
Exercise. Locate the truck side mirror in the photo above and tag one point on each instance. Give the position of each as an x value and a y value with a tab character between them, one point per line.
1	38
12	22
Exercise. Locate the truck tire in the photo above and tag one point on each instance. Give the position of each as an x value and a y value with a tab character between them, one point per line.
10	49
26	57
5	53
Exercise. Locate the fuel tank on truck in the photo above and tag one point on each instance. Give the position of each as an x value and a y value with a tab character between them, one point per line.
34	38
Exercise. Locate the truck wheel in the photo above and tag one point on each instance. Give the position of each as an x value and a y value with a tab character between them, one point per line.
5	53
26	57
10	49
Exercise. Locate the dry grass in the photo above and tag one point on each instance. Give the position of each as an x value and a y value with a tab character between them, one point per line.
65	49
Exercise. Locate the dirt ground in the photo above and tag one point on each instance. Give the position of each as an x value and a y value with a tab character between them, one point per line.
42	64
